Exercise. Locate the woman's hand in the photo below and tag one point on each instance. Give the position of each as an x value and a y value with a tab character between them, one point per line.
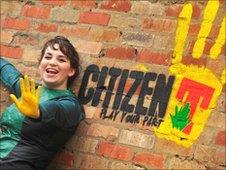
29	102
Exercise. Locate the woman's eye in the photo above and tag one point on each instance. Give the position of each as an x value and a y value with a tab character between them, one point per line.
47	57
62	60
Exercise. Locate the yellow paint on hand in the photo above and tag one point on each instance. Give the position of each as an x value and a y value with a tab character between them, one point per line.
216	49
209	16
181	33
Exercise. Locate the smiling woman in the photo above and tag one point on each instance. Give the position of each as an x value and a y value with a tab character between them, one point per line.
43	119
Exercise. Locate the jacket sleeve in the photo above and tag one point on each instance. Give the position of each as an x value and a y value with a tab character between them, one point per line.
62	113
10	77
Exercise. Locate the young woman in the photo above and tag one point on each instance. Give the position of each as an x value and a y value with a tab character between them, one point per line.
44	118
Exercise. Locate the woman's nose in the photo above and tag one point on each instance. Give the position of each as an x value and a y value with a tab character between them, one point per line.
52	61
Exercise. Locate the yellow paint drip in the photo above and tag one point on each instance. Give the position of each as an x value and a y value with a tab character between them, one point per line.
142	67
216	49
209	16
200	75
181	33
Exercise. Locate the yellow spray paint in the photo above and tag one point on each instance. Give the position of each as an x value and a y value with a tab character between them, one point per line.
223	76
197	74
182	31
142	67
216	49
209	16
199	119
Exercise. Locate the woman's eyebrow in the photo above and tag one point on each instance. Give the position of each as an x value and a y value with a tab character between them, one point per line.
49	53
62	56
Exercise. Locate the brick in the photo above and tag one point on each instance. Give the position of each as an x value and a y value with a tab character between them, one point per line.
11	52
6	36
116	5
197	10
153	57
147	8
220	138
84	144
209	154
94	18
217	65
95	33
98	130
84	4
26	39
163	42
31	54
46	28
86	161
110	35
65	158
123	165
11	7
36	12
149	160
136	139
170	147
159	25
54	2
174	10
17	24
194	29
65	14
189	60
137	38
124	21
80	32
114	151
121	53
177	163
88	47
222	103
128	85
82	129
206	136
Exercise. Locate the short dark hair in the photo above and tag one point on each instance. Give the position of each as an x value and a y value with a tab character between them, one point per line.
68	50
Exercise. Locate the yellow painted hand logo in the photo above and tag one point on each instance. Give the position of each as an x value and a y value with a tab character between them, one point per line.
195	85
29	102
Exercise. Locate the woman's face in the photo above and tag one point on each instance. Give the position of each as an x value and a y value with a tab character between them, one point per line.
55	68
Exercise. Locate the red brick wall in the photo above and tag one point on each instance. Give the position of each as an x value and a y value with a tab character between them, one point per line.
122	34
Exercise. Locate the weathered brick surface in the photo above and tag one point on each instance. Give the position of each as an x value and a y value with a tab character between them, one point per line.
220	138
94	18
12	52
98	130
136	139
86	161
125	34
64	14
149	160
114	151
117	5
18	24
36	12
177	163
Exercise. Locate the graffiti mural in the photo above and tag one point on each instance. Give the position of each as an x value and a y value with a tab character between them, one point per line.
180	103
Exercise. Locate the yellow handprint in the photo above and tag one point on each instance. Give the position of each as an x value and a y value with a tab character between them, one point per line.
195	85
29	102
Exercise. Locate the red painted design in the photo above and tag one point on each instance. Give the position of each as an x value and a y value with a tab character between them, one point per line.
197	93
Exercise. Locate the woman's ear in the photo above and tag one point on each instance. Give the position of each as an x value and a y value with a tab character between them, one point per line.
71	72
